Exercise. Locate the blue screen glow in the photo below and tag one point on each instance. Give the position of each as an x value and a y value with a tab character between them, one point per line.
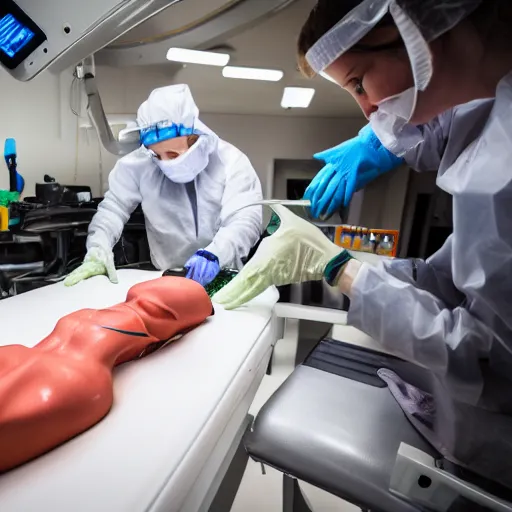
13	35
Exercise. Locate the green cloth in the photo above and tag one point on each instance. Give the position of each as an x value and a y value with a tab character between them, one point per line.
274	223
225	276
7	197
222	279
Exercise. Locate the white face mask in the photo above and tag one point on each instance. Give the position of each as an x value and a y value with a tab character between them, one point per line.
391	122
186	167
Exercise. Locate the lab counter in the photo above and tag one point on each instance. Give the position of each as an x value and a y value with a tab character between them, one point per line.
177	416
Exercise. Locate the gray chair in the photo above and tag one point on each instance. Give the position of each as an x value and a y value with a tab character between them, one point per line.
55	225
350	438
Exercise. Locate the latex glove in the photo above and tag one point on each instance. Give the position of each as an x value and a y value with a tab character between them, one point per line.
96	263
349	167
296	253
202	267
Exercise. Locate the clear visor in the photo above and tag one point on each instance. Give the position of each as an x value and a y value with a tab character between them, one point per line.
130	134
358	23
417	22
346	33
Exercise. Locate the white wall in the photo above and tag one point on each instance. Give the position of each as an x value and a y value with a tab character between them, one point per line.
383	201
266	138
38	115
262	138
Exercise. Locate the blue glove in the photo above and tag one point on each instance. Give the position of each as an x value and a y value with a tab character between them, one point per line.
349	167
202	267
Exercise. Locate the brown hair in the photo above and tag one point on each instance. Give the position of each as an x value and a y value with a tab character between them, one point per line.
192	139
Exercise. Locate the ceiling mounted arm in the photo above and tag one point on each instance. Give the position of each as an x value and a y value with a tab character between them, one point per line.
86	71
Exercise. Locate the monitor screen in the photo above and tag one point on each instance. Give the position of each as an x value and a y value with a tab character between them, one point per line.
14	36
19	35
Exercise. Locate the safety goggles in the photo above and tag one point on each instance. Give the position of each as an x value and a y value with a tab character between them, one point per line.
154	133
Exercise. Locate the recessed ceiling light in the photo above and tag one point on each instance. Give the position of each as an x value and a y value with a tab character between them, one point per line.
244	73
198	57
297	97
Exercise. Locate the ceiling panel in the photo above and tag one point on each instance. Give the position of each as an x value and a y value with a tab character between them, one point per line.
175	19
271	43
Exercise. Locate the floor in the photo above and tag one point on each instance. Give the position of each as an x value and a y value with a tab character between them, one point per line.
262	492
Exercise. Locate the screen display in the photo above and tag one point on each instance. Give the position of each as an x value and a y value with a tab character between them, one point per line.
19	35
14	36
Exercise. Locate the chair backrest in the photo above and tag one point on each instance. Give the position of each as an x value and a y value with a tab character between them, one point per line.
356	337
59	218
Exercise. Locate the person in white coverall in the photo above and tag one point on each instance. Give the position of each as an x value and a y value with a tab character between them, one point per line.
188	182
434	79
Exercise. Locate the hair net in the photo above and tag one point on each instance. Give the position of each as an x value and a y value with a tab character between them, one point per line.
435	17
418	22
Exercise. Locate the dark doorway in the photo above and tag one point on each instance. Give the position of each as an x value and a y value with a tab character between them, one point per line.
295	188
418	225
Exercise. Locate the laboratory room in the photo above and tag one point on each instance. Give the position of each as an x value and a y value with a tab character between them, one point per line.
256	256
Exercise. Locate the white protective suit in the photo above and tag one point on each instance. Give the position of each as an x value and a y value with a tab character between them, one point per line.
453	312
182	217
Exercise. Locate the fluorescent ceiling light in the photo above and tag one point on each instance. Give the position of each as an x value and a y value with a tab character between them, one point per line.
323	74
271	75
198	57
297	97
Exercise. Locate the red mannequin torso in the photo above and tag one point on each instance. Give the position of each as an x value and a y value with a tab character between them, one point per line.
63	386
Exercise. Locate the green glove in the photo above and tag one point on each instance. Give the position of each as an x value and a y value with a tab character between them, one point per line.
96	263
296	253
274	224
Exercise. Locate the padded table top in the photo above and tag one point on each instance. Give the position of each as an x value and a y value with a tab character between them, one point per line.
163	405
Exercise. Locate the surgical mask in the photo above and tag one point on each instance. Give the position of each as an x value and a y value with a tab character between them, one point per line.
187	166
391	122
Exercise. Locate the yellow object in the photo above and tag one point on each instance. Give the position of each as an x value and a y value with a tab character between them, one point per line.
346	240
4	218
381	241
356	244
385	248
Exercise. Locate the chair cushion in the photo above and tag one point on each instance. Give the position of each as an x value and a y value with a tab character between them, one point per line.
336	433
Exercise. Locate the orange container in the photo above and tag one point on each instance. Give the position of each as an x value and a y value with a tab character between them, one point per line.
350	237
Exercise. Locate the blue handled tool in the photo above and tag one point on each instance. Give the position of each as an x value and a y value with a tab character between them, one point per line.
16	181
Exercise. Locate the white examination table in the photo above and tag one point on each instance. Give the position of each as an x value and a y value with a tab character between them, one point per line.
178	414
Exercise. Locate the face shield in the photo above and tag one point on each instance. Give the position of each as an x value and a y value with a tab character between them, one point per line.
418	22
